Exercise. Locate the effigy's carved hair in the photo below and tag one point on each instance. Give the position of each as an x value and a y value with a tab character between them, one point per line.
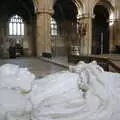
85	72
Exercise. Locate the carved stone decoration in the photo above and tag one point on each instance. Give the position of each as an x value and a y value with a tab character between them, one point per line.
44	6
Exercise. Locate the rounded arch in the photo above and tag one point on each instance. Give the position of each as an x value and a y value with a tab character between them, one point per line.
36	5
107	4
100	26
80	7
65	10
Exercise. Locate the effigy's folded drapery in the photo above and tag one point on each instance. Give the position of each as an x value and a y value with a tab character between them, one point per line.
85	92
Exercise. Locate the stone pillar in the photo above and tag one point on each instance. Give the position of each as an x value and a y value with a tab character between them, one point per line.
86	41
117	22
43	16
90	34
112	38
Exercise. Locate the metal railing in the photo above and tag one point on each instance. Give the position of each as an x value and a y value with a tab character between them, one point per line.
104	62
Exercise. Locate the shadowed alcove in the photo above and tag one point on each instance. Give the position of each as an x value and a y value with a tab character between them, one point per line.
100	41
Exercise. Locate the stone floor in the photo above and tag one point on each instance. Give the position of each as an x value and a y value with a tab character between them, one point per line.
36	65
64	61
43	66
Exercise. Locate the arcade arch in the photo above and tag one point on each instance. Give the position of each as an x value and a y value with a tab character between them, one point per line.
100	27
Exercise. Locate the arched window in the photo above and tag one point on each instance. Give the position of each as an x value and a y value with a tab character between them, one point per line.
53	27
16	25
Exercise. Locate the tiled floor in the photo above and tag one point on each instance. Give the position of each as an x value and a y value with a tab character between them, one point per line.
37	66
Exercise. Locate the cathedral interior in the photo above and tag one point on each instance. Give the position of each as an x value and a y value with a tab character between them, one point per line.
59	59
59	28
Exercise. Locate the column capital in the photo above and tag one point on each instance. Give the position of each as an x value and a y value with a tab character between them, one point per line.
44	7
86	16
45	11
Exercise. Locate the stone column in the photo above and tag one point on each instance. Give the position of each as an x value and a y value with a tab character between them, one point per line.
90	34
86	41
112	37
43	15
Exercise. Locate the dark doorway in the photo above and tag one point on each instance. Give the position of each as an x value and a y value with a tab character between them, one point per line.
100	30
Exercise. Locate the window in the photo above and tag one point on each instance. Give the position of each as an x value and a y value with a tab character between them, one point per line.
53	27
16	25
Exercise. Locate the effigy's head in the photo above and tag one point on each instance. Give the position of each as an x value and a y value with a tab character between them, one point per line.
87	73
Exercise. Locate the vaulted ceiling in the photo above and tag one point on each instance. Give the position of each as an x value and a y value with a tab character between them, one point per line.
65	10
23	8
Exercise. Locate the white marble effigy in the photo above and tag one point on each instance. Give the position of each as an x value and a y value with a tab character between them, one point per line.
85	92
